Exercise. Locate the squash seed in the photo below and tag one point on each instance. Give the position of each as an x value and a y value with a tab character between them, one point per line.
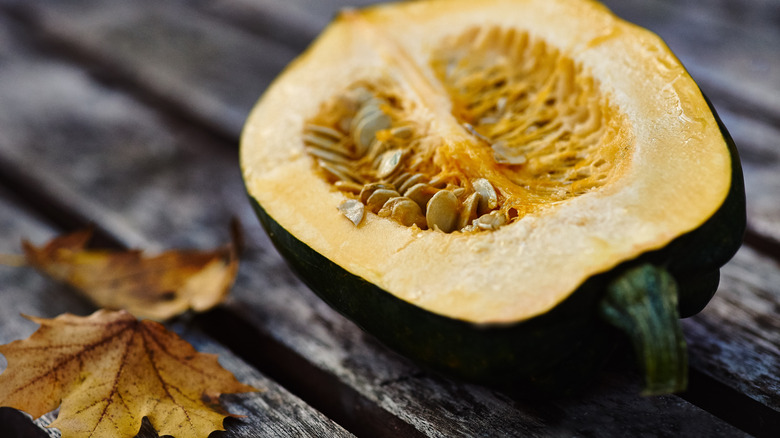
402	132
324	131
325	138
468	211
474	132
439	182
319	142
414	179
379	198
377	148
404	211
348	187
488	199
370	188
505	154
339	173
353	209
421	193
327	155
389	163
399	180
491	221
368	121
442	211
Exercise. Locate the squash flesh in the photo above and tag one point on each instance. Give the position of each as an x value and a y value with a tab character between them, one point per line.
536	107
528	267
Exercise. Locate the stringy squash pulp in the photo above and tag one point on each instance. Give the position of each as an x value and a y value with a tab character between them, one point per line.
586	142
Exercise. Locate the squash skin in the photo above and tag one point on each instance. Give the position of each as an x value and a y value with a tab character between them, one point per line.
523	354
553	354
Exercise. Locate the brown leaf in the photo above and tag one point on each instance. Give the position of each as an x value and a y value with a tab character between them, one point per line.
157	287
109	370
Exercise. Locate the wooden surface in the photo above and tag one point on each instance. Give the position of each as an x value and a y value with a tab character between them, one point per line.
126	115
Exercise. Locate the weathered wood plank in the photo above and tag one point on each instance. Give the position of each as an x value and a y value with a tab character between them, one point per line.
54	110
290	23
732	56
746	14
81	116
166	48
272	412
336	345
747	304
760	154
277	305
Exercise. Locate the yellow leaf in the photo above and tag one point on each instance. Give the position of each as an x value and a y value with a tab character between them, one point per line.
109	370
157	287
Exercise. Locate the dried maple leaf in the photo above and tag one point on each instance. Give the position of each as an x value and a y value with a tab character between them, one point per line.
157	287
110	370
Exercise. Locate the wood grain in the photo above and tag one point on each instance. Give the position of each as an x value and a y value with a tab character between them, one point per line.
737	337
436	405
166	48
126	114
127	168
731	55
272	412
760	154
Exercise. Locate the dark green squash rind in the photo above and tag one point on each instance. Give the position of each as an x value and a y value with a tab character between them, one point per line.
515	354
554	353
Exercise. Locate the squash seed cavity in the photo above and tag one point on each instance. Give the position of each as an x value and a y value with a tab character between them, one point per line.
541	133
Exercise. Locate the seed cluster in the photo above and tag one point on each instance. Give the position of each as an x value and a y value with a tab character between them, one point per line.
551	133
363	145
542	114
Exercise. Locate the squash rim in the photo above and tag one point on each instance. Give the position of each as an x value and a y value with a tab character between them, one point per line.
268	175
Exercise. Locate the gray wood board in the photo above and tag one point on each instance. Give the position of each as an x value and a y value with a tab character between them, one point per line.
732	55
166	48
271	412
747	304
760	155
170	189
117	152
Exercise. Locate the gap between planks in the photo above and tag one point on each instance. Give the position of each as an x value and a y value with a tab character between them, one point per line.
321	390
740	411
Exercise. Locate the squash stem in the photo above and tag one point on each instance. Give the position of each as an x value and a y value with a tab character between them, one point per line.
643	304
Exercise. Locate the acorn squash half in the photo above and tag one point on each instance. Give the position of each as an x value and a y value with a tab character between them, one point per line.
497	188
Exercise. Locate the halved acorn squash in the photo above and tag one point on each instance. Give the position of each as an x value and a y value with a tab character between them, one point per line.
492	188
